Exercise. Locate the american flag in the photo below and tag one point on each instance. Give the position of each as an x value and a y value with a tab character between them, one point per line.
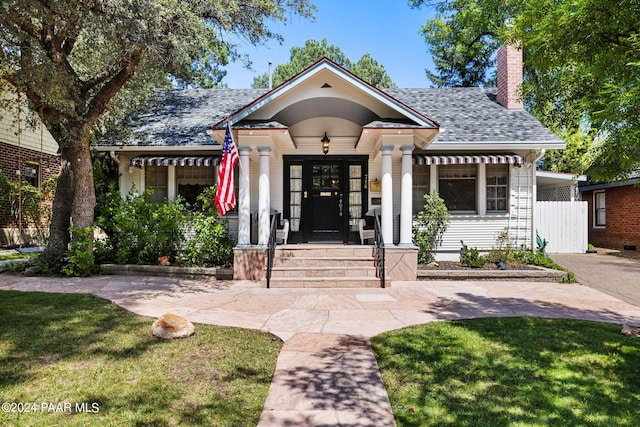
225	195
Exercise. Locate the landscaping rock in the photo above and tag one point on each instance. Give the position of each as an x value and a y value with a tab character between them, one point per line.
630	331
170	326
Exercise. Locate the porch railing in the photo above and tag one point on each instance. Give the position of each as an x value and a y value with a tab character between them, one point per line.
271	249
379	245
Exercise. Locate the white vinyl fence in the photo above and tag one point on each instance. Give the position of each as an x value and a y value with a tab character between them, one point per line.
563	225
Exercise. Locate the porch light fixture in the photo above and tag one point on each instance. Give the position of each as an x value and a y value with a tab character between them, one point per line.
325	143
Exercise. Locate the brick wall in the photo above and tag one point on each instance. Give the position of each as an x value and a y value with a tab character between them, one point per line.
11	155
622	211
509	76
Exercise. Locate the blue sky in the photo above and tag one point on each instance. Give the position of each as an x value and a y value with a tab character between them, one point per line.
388	29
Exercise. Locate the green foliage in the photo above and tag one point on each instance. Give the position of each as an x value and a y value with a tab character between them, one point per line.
462	49
140	231
471	257
540	259
300	58
83	66
429	226
80	258
501	251
27	205
581	66
212	244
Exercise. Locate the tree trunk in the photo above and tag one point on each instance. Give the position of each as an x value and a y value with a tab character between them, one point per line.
60	219
84	193
74	202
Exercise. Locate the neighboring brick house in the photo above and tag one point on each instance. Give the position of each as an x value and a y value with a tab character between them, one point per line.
614	213
27	150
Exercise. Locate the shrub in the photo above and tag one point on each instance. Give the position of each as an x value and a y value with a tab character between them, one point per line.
502	249
140	231
211	245
429	226
471	257
80	259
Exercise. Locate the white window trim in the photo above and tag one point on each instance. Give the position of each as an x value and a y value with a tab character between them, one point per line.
481	193
595	209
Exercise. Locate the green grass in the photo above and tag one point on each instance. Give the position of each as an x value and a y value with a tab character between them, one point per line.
65	348
12	257
511	372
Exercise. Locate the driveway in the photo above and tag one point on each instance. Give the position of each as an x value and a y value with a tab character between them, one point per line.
615	276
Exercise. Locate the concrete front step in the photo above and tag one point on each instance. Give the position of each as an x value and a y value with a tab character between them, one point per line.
367	270
324	266
325	282
309	261
324	251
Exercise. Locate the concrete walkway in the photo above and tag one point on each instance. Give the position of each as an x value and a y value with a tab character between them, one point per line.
326	373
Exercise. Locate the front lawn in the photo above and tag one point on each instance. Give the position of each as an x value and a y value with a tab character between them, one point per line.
77	360
511	372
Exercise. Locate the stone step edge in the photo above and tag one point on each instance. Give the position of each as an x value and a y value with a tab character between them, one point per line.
170	271
327	258
322	267
538	274
324	279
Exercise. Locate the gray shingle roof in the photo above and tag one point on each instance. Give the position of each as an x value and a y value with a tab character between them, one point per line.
473	115
182	117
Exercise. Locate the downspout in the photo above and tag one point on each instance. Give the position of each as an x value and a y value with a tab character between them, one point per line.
115	158
534	198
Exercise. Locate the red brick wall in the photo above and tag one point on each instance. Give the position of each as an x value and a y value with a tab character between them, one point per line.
509	76
622	211
10	155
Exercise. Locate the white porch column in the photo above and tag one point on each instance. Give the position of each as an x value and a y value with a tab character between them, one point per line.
387	196
482	189
171	182
264	201
406	197
244	198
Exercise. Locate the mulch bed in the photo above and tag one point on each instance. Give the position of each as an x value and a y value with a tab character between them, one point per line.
455	265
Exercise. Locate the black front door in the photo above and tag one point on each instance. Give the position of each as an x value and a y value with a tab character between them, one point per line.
323	200
324	197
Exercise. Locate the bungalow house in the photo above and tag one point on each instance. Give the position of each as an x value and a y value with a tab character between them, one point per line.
326	149
27	152
614	213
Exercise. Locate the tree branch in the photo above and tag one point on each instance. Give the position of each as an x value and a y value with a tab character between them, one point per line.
108	91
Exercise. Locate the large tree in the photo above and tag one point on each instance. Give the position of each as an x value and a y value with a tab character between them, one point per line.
82	61
581	66
302	57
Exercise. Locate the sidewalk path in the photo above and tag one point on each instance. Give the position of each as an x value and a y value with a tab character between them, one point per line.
616	276
326	373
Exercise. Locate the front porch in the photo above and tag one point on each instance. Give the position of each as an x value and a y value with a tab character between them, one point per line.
325	265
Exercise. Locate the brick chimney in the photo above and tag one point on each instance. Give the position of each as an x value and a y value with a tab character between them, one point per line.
509	76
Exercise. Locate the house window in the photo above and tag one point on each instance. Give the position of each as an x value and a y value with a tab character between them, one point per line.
421	185
457	187
32	173
156	181
192	180
599	217
497	186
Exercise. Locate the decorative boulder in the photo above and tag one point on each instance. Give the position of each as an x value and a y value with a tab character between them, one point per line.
630	331
170	326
